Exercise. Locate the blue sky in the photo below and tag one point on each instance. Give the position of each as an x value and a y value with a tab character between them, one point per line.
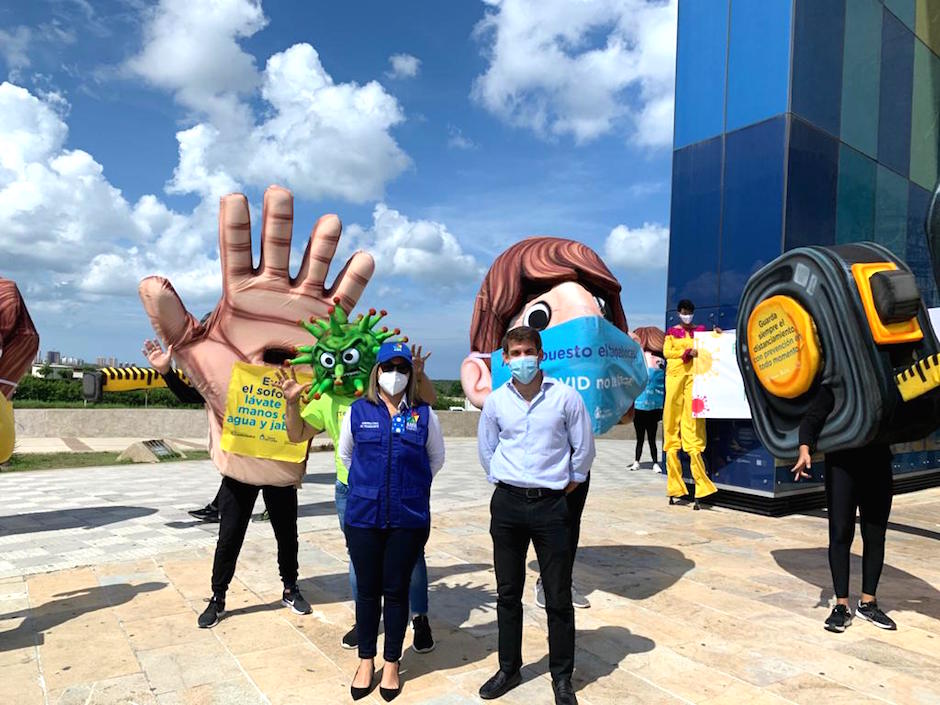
123	122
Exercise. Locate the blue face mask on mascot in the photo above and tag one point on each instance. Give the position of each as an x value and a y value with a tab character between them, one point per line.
594	357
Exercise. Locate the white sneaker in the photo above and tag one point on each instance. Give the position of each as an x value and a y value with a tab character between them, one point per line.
635	466
657	469
577	599
539	593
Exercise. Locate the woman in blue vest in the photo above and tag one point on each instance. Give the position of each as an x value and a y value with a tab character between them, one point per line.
392	444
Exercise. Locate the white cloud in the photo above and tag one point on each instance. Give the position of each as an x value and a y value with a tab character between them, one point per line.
583	68
646	247
14	47
403	66
318	138
457	140
423	250
191	48
62	223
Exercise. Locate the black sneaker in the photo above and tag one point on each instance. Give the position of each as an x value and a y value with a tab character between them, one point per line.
351	639
423	641
207	513
293	599
213	613
870	612
839	620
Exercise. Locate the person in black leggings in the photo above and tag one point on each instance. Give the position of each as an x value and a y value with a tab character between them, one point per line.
646	424
857	478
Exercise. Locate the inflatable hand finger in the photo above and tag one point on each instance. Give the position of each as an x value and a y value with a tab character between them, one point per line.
255	321
851	317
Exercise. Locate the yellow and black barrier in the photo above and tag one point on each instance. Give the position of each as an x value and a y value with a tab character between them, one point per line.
851	317
123	379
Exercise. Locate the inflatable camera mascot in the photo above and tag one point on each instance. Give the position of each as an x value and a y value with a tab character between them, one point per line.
565	291
848	316
19	343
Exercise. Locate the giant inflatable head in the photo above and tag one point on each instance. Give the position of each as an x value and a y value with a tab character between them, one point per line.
19	343
556	286
255	321
850	317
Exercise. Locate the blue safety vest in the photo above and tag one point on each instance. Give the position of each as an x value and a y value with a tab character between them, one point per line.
390	475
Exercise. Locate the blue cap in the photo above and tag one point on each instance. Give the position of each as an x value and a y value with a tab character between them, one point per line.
389	350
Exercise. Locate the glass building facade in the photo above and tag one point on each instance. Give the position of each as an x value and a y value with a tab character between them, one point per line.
798	122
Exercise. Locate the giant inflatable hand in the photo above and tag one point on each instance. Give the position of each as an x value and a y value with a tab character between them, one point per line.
256	319
19	342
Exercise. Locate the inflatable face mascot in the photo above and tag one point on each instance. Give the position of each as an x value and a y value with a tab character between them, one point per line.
255	321
19	343
564	290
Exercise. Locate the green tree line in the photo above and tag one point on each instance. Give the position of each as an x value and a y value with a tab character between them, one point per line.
38	392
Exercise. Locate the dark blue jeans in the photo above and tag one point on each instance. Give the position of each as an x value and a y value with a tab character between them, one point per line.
384	560
418	593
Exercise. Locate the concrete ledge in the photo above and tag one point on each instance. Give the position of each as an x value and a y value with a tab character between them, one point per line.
187	423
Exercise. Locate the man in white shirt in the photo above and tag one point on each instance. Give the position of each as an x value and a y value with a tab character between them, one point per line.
536	444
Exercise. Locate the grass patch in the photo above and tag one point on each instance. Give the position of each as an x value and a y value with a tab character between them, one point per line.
55	461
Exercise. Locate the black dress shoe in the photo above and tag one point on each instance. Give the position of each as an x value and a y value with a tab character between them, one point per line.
360	693
500	684
564	692
389	694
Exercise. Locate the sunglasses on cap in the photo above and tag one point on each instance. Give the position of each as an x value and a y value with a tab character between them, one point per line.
402	367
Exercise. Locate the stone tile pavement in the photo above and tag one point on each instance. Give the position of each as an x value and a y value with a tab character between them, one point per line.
102	575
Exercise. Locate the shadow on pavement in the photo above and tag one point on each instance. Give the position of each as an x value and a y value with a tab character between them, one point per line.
84	517
892	526
897	589
320	478
633	572
606	648
68	606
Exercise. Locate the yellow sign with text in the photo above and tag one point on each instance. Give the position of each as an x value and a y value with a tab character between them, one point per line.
254	422
783	347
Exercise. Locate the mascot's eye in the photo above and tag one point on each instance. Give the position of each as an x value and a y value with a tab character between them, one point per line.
538	316
605	309
327	360
351	356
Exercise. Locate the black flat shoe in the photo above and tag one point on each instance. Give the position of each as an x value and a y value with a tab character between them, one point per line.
360	693
389	694
500	684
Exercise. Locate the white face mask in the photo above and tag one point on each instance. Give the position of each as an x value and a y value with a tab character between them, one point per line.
393	382
686	317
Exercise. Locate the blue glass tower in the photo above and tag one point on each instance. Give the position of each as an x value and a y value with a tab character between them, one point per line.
798	122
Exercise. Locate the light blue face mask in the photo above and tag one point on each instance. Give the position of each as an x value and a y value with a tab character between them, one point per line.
524	368
594	357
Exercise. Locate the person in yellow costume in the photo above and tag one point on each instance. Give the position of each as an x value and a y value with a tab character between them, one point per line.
680	428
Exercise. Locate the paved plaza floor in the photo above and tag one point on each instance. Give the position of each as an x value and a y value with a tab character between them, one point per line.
102	575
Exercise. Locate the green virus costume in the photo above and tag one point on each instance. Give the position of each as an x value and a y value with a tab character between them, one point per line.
345	351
